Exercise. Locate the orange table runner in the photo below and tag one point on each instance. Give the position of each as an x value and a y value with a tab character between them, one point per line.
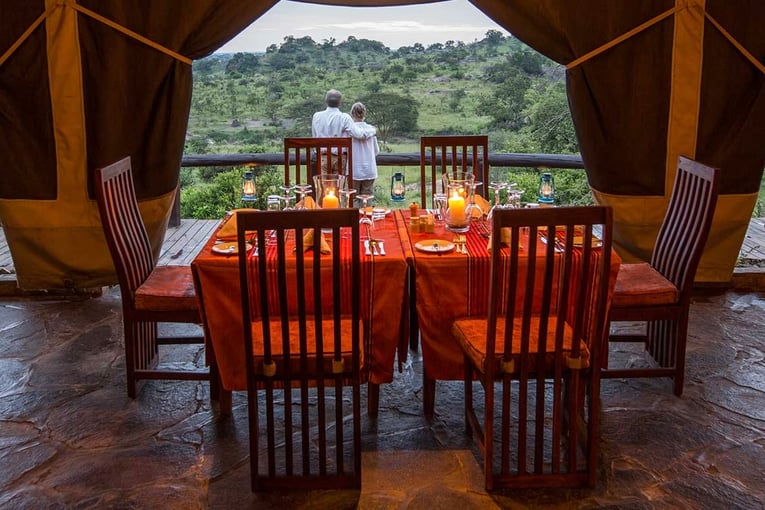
217	285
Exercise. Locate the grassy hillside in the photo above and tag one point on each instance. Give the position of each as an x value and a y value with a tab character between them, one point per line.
248	102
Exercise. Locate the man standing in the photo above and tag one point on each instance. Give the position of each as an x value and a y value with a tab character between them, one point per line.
332	123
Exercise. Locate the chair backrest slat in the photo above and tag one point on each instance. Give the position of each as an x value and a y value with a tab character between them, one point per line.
301	316
687	223
302	157
124	229
442	154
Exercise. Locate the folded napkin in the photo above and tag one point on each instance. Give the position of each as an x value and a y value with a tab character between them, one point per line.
308	242
482	203
308	202
506	235
227	232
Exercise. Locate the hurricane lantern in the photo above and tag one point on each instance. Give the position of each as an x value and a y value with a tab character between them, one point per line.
546	193
397	187
248	187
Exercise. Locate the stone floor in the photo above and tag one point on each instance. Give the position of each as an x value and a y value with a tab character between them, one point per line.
70	437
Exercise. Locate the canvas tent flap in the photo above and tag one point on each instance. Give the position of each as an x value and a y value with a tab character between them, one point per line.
676	87
99	95
665	77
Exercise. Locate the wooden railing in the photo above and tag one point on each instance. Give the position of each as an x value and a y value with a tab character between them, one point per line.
398	159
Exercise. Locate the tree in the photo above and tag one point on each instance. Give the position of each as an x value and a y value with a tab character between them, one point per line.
242	63
391	113
505	106
493	37
550	123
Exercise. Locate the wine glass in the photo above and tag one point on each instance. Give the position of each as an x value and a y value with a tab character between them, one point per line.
346	197
473	210
497	187
287	196
302	190
273	203
366	219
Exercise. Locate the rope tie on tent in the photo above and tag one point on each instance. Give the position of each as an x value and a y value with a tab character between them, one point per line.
643	26
26	34
74	5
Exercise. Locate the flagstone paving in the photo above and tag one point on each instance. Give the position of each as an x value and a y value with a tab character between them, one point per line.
71	438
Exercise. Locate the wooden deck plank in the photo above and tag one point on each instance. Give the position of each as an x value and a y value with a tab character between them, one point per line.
185	241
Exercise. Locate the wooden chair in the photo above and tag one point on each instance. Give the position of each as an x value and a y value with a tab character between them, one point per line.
442	154
150	294
659	293
303	332
540	339
305	157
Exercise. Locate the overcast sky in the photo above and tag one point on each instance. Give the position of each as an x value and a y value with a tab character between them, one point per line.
456	20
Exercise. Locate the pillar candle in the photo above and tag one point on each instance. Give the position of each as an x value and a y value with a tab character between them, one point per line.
457	209
330	200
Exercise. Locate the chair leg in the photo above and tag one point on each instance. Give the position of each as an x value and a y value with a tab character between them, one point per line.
488	435
468	396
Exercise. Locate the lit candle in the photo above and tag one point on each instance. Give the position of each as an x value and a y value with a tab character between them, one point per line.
330	200
457	208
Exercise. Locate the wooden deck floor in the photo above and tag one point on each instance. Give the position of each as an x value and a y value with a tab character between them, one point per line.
182	244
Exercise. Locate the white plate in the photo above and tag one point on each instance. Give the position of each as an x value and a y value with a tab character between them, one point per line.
228	248
435	246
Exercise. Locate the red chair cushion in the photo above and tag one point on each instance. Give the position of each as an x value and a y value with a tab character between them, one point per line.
641	285
168	288
471	335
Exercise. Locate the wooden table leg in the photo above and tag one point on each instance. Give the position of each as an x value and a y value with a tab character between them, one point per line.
373	399
428	394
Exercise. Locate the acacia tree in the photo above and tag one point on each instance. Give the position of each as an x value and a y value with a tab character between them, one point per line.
391	113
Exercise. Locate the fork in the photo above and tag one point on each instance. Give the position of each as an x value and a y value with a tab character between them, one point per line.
463	242
375	246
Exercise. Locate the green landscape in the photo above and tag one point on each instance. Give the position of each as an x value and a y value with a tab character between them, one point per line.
248	102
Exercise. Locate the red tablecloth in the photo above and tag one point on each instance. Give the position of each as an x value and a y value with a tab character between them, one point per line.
451	285
217	282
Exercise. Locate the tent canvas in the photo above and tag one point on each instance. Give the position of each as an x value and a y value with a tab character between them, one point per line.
84	83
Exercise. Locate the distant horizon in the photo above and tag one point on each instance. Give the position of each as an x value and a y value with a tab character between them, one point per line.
394	27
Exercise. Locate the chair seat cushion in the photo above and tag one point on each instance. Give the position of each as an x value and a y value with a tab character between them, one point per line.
642	285
294	343
168	288
470	334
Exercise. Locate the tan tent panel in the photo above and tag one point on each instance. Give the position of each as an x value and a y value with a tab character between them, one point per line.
86	82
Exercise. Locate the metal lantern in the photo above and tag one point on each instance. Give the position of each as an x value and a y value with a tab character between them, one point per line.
397	187
546	193
248	187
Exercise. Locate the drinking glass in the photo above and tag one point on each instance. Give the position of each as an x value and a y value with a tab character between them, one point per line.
473	210
366	219
497	187
287	196
440	203
346	197
302	190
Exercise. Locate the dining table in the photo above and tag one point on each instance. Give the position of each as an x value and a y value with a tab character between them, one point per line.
450	282
386	315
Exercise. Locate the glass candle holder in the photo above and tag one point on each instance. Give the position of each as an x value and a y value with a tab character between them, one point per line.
327	188
459	186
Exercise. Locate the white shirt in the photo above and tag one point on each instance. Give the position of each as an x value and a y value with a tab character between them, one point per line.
332	123
364	152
